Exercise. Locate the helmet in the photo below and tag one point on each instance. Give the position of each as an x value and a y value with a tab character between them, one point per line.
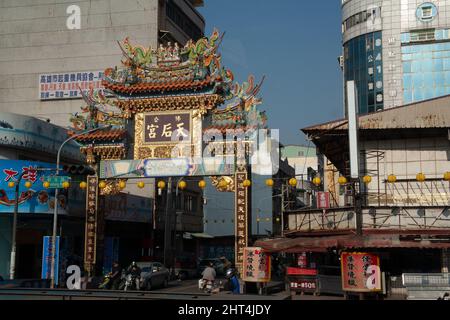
230	273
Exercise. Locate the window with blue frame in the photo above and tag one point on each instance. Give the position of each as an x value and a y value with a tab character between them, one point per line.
364	64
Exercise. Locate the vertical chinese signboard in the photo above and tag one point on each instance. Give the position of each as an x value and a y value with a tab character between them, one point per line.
241	219
323	200
91	223
256	265
47	249
360	272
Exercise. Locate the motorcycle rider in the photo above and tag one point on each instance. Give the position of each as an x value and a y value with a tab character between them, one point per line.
209	274
135	271
115	276
233	281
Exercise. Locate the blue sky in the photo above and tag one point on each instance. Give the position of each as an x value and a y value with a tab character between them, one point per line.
295	43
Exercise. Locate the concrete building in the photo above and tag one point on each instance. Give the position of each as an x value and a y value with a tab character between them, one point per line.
398	52
42	61
301	158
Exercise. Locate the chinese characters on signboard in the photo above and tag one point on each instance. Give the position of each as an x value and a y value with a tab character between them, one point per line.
167	127
360	272
91	223
323	200
68	85
241	218
256	266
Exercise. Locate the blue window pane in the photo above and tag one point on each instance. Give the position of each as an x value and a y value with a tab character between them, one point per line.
439	79
416	66
417	80
407	81
407	66
418	94
428	93
447	64
429	78
439	34
407	56
407	96
427	55
440	91
438	65
427	65
447	78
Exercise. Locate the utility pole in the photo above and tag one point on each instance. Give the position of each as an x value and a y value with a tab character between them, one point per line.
12	268
167	231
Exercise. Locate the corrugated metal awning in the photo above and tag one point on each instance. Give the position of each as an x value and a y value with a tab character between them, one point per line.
434	113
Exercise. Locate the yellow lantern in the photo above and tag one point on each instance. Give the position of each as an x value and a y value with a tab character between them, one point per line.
293	182
447	176
161	184
46	184
28	184
317	181
11	184
247	183
270	182
141	185
421	177
392	178
182	185
223	183
342	180
122	184
367	179
66	185
83	185
202	184
102	185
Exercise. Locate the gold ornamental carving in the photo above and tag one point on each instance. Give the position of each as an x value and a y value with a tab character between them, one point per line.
230	187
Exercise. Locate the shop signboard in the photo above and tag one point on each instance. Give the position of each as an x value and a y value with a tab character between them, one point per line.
67	85
360	272
36	199
323	200
47	258
256	265
56	182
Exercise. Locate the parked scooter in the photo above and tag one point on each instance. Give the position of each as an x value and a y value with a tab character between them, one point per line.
107	282
206	286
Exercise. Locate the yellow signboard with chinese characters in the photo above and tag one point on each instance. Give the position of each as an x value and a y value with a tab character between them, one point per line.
256	267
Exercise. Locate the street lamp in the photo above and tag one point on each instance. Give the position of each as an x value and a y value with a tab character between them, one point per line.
55	211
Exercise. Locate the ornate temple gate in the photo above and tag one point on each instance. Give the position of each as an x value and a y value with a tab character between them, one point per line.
165	101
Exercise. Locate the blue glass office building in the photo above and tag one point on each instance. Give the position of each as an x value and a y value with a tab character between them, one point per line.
397	52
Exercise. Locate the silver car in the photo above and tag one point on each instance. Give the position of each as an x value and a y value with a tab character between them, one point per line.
153	274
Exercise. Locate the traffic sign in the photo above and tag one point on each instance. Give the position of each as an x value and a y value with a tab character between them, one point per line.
56	182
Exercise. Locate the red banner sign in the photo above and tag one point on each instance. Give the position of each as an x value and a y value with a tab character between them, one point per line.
323	200
360	272
256	265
